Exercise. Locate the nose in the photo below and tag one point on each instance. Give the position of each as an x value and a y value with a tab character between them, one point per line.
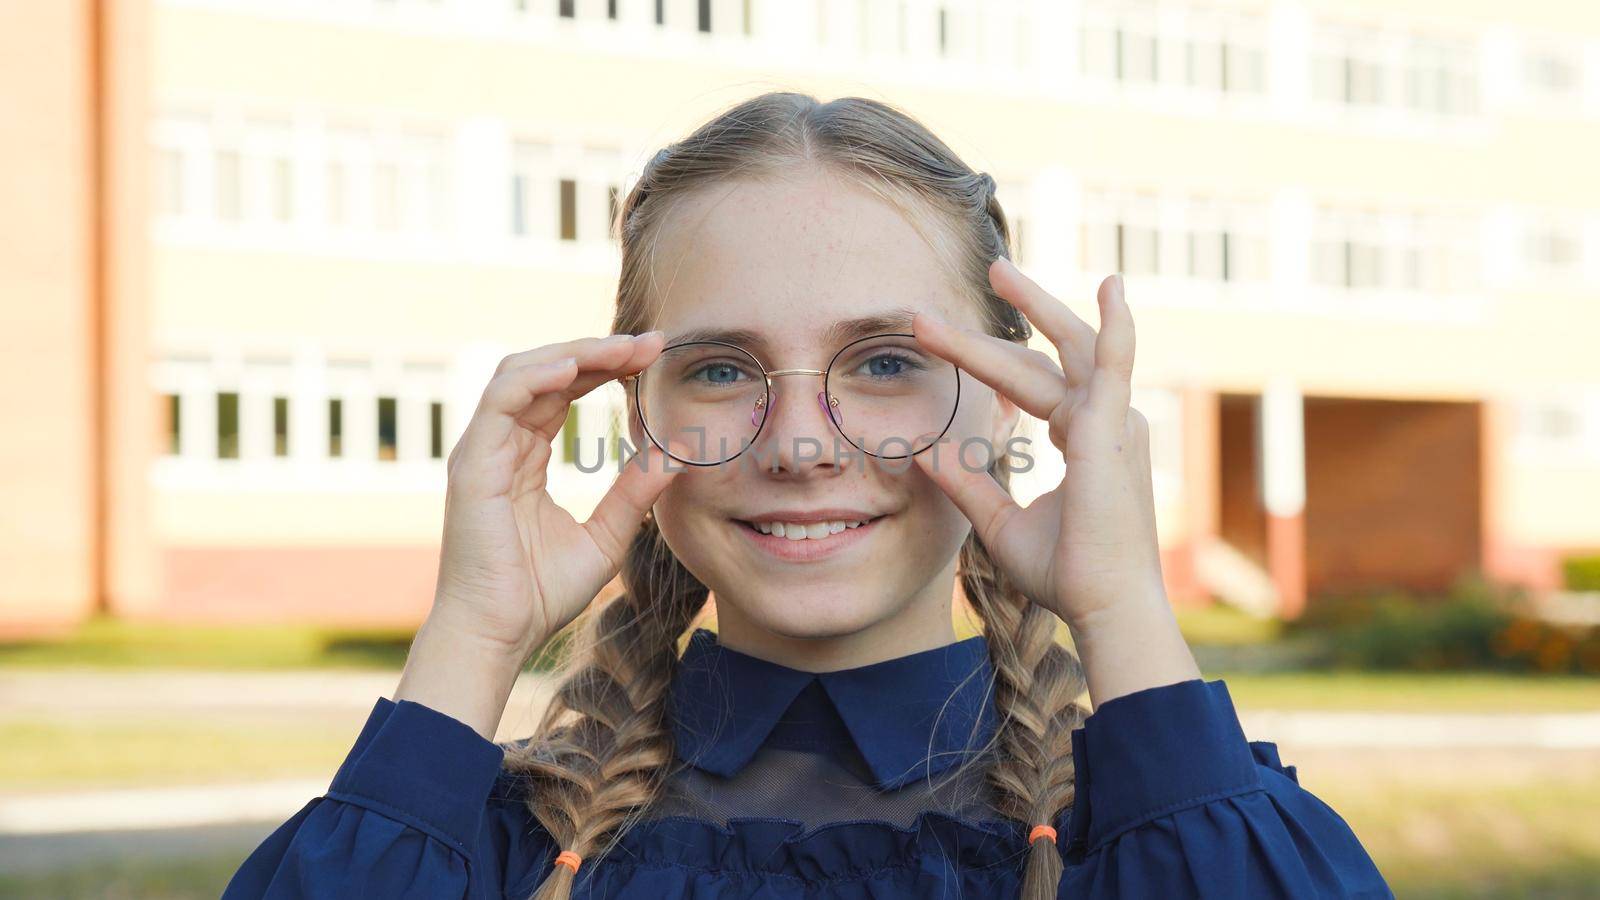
788	425
759	411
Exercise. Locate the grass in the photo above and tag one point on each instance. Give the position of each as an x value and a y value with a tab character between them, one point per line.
114	644
1532	838
128	879
1220	625
1222	635
71	754
1477	692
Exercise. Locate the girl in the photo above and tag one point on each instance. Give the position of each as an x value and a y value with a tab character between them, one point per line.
832	738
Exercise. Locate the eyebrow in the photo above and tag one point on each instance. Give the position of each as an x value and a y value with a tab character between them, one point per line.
834	336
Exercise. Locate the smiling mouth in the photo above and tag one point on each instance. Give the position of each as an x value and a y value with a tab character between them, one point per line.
807	531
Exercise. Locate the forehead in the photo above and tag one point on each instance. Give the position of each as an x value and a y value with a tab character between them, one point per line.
786	260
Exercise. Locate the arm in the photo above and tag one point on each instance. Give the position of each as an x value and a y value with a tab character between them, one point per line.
1172	801
409	814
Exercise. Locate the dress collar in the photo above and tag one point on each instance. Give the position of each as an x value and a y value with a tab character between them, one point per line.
909	717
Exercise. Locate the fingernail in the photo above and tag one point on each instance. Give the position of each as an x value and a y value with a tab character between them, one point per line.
1119	284
653	333
563	361
935	318
616	338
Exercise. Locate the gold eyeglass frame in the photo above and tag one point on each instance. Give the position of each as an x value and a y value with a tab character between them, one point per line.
766	396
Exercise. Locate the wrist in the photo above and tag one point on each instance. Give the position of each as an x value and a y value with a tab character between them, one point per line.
459	673
1130	646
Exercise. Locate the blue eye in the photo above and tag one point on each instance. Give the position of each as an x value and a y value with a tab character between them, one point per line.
888	365
716	373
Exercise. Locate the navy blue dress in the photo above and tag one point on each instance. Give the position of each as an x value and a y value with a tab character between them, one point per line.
835	785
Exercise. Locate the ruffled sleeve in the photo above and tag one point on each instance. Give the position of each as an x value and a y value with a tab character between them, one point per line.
1172	801
410	813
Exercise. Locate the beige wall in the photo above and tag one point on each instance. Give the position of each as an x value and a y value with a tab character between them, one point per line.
115	303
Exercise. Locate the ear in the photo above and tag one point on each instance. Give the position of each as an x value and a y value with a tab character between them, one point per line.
1006	415
630	412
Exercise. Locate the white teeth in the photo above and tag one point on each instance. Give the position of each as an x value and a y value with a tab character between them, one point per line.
800	531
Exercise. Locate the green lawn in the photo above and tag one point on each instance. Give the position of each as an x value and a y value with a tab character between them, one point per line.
109	643
1538	838
1477	692
70	754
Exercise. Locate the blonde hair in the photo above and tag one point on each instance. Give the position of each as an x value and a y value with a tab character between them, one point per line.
604	746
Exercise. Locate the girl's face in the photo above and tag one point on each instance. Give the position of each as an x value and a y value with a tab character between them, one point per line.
786	262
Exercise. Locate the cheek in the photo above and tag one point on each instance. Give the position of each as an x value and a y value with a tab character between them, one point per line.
975	421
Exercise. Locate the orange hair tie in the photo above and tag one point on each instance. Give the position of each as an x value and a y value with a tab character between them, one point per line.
1041	831
569	859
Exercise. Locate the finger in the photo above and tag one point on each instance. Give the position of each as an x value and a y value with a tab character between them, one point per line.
548	413
1073	337
1111	386
620	513
975	492
583	349
507	395
1030	378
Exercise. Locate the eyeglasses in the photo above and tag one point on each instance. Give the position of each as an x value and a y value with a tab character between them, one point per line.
885	394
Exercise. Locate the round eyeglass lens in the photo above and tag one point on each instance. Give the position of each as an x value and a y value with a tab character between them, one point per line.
890	397
706	398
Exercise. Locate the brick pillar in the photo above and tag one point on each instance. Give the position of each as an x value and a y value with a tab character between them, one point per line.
1281	439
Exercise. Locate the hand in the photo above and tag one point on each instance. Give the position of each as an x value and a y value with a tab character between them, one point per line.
514	566
1089	544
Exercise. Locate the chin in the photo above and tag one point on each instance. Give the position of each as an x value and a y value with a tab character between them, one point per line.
811	611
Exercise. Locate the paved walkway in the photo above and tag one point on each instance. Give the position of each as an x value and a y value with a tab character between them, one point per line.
350	694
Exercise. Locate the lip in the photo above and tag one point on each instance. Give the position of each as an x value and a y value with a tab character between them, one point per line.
809	550
830	514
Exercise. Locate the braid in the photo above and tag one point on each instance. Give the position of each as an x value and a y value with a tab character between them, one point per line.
1037	682
1004	319
606	743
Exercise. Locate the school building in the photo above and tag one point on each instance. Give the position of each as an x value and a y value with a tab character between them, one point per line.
259	257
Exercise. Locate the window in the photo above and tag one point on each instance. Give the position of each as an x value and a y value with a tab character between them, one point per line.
228	425
170	198
1431	252
1553	70
173	405
386	197
282	189
1223	51
519	203
1358	65
228	190
388	448
280	426
531	167
569	435
569	209
338	189
335	427
1552	249
1138	249
1137	59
